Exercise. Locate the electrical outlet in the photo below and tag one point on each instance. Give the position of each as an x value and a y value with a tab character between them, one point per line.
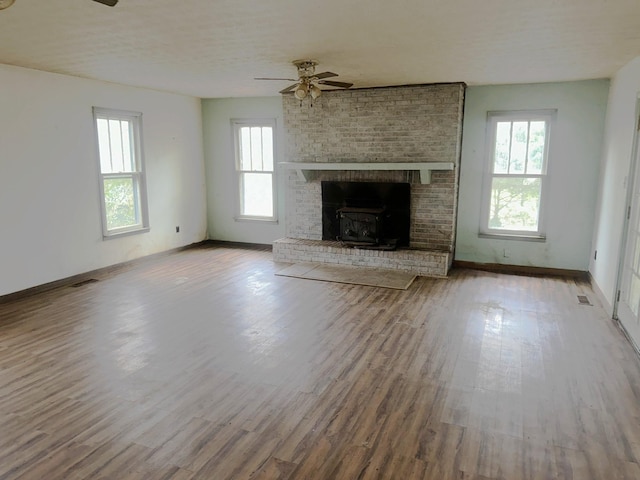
177	229
505	253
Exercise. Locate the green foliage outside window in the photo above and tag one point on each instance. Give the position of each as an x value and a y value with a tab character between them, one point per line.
515	203
120	202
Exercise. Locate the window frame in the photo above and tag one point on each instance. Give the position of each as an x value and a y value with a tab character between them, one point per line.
236	125
493	117
138	176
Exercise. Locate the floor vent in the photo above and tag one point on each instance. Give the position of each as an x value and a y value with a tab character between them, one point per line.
583	300
84	282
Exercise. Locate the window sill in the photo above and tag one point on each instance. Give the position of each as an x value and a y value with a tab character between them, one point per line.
256	219
513	236
124	233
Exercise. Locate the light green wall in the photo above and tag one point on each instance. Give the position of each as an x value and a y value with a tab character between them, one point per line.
575	148
220	168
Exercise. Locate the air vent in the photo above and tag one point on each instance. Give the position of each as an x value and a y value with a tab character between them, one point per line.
583	300
84	282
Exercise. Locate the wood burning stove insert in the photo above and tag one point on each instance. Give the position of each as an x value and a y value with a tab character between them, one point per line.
366	214
361	226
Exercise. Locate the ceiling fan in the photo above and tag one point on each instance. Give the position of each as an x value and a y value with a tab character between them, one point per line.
308	81
7	3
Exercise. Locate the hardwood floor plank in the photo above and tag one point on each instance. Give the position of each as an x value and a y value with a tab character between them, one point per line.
274	469
204	364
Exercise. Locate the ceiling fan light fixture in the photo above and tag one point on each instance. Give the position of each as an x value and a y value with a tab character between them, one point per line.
6	4
301	91
315	91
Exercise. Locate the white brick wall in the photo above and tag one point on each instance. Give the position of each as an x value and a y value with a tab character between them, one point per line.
394	124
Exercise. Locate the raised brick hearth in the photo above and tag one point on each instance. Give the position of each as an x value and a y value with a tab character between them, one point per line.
395	124
427	263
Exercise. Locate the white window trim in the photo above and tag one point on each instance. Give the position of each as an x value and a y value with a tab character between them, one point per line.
236	124
549	116
136	120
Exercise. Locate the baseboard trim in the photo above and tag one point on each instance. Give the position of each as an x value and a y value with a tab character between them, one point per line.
247	245
521	269
601	297
100	272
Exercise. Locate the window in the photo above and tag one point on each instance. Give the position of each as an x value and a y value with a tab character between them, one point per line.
516	175
254	147
122	181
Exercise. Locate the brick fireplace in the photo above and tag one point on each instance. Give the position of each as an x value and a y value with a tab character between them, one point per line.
396	128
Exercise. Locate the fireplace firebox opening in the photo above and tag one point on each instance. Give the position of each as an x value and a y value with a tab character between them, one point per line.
366	214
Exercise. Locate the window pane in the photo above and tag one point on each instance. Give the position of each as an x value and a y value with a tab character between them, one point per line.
515	204
267	148
503	138
537	132
256	149
115	138
128	164
257	194
103	145
245	148
121	202
518	147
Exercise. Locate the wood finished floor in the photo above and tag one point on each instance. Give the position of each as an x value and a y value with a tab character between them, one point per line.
205	365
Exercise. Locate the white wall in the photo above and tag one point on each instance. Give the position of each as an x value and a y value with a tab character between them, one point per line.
616	159
574	155
50	223
220	168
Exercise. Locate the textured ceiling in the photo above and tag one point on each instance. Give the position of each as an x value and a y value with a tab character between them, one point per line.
214	48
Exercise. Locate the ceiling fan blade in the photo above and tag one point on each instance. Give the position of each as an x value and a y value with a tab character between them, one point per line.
289	88
269	78
110	3
322	75
331	83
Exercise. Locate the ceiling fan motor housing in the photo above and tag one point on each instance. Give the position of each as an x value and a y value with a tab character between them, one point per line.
306	68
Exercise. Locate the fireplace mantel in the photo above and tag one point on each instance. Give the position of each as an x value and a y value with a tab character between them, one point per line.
425	168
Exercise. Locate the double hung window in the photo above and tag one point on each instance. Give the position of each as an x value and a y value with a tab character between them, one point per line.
516	174
255	153
122	179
